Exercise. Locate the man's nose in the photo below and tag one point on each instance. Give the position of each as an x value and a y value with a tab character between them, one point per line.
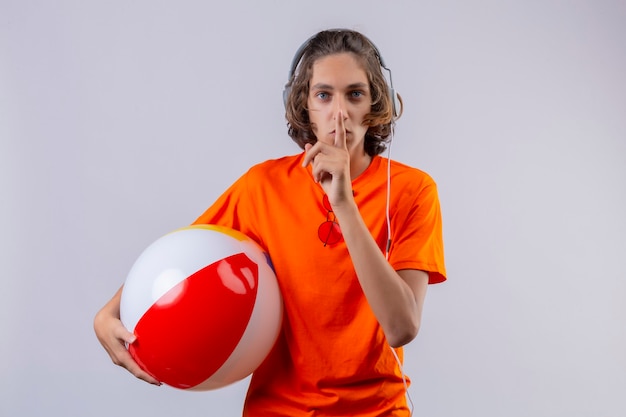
339	104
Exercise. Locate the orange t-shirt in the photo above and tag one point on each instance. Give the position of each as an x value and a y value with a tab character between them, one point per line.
331	358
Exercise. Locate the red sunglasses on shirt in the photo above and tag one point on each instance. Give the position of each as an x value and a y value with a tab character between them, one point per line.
329	231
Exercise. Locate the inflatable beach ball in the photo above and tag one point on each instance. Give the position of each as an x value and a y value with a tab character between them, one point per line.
204	305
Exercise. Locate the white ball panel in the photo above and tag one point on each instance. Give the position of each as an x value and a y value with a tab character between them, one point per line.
167	262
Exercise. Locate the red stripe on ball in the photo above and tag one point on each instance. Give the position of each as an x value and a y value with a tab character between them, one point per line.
191	331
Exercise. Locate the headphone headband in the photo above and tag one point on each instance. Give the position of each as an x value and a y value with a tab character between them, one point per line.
300	53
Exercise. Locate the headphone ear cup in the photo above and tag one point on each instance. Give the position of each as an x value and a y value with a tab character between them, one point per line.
395	102
286	92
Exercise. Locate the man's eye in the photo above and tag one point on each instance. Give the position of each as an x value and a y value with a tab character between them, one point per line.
322	95
356	94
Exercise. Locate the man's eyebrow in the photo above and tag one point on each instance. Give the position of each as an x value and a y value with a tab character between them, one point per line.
322	86
358	85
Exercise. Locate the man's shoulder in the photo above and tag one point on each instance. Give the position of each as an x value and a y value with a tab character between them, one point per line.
276	163
411	174
275	169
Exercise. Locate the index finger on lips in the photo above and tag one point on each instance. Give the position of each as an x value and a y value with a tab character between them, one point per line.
340	131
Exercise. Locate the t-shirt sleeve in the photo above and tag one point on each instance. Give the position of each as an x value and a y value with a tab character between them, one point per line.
232	209
417	235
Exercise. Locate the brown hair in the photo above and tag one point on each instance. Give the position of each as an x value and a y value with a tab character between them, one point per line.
330	42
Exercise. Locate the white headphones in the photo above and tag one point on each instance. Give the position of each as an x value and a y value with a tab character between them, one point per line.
395	100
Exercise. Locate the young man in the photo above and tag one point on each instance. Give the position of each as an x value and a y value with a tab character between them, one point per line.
352	266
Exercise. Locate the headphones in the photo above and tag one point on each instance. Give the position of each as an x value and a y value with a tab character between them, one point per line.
395	100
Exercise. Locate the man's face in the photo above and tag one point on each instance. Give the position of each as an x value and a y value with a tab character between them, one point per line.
339	83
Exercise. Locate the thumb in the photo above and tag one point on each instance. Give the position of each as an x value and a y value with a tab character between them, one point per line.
123	334
130	338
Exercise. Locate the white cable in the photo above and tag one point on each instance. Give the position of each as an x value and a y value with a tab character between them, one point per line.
388	196
406	386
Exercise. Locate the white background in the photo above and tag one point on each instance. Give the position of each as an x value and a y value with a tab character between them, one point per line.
122	120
